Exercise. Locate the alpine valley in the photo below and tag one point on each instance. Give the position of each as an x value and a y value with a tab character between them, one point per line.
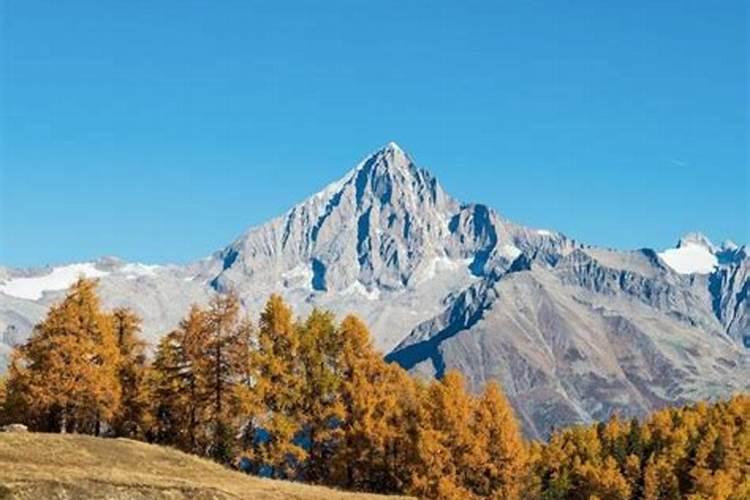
573	332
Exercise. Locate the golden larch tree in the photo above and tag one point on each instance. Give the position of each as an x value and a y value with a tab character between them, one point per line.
446	445
65	377
277	382
128	420
176	386
225	361
499	466
376	448
321	409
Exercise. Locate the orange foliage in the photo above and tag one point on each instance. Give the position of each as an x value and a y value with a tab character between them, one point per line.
311	399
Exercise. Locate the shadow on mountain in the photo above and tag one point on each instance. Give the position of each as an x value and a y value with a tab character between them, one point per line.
410	356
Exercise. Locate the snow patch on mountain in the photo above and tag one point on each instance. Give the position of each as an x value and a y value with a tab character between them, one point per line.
698	239
359	288
439	264
301	275
59	278
510	252
136	269
690	258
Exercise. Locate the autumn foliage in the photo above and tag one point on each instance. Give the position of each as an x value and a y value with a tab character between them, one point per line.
65	378
696	452
310	399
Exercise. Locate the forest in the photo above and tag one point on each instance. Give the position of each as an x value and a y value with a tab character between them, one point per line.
310	399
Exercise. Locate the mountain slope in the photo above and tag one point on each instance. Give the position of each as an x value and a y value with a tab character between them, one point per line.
574	332
386	241
579	341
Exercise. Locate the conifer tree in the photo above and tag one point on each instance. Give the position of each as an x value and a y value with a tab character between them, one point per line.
376	451
321	409
64	377
635	441
602	480
696	452
315	401
164	420
277	382
614	439
128	420
177	386
633	473
499	466
446	445
659	480
226	358
3	399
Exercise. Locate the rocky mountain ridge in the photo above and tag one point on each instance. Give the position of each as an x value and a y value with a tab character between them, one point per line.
573	332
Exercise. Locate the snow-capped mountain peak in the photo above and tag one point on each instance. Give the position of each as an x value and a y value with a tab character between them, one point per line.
385	166
574	332
33	286
694	254
376	226
696	238
729	246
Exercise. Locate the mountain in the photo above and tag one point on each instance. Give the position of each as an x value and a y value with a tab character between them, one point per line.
573	332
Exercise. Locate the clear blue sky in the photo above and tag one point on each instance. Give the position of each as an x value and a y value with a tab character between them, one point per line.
160	130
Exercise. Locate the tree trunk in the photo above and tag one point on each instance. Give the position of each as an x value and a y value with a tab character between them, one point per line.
218	437
192	424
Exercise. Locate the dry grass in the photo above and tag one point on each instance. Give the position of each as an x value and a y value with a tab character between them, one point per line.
53	466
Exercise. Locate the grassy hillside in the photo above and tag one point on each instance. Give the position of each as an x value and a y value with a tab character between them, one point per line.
53	466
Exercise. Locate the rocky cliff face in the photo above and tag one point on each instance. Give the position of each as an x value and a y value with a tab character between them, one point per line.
573	332
375	228
581	339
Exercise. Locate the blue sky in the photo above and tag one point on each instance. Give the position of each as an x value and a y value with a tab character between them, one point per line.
159	131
